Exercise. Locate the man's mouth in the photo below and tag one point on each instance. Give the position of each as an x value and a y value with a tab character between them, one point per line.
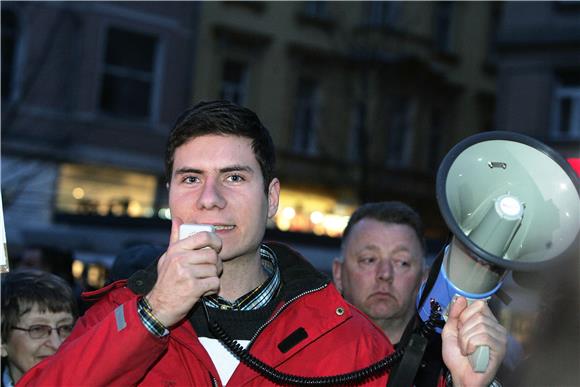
382	295
221	227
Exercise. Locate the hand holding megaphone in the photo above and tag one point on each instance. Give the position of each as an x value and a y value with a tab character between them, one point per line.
472	328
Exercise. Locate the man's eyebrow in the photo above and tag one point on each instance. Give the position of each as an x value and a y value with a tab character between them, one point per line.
183	170
237	168
231	168
368	247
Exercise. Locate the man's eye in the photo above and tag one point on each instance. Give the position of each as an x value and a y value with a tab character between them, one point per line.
235	178
402	263
190	179
367	260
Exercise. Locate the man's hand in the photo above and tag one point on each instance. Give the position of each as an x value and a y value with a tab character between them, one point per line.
467	328
189	270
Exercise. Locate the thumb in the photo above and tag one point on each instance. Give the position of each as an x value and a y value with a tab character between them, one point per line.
175	223
458	305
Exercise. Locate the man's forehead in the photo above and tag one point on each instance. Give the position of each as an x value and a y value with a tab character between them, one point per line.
214	149
372	234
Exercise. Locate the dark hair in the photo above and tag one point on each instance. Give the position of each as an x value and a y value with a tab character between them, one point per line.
23	289
388	212
223	118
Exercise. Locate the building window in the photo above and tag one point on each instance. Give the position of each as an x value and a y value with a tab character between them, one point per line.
357	146
442	35
566	6
306	117
129	72
98	190
316	9
9	47
380	13
400	132
435	139
234	82
566	112
494	30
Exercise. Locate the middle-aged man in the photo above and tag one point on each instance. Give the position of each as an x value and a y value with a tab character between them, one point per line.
382	264
381	269
152	329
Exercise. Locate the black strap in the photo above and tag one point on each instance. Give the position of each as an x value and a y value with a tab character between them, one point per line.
433	274
405	371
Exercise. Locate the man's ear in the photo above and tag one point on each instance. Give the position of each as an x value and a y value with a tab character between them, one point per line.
273	197
3	347
336	272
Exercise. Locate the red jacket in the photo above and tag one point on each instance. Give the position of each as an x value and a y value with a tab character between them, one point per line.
109	345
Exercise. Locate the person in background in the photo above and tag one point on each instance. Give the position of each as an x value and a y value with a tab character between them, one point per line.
55	260
382	264
157	327
380	271
51	259
553	356
133	259
38	313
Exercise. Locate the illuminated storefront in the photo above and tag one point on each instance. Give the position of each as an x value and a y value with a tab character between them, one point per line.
321	214
103	191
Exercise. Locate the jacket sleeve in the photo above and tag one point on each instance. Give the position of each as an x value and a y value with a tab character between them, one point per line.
108	346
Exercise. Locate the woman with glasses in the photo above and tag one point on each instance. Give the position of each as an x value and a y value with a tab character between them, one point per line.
38	313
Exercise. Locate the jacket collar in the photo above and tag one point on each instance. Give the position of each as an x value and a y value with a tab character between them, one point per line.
298	275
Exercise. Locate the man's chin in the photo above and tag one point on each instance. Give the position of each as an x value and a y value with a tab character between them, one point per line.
385	310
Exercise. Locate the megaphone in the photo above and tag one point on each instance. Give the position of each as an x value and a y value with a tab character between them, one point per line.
511	203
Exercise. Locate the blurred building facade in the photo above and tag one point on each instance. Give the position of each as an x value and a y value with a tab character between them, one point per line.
538	49
89	90
363	100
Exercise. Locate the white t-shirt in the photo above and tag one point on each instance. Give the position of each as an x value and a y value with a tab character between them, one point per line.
225	362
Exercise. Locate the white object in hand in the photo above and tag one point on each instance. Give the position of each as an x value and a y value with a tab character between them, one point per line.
186	230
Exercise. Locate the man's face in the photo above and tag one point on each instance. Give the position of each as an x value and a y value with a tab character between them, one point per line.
217	180
24	352
382	269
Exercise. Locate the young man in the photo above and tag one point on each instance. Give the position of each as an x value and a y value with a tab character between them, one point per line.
38	313
381	270
153	328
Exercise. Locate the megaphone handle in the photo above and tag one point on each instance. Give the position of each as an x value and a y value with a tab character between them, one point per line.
479	359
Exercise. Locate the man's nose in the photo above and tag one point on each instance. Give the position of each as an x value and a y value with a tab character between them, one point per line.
385	270
211	195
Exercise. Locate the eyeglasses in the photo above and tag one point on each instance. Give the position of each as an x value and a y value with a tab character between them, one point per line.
44	331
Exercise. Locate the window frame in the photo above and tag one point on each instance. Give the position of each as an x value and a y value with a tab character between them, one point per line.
154	77
239	89
562	91
402	121
18	59
305	138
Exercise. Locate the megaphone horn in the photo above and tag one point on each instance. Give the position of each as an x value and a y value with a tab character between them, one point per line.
511	203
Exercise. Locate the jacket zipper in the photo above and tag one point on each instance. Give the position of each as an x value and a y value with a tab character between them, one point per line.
282	309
